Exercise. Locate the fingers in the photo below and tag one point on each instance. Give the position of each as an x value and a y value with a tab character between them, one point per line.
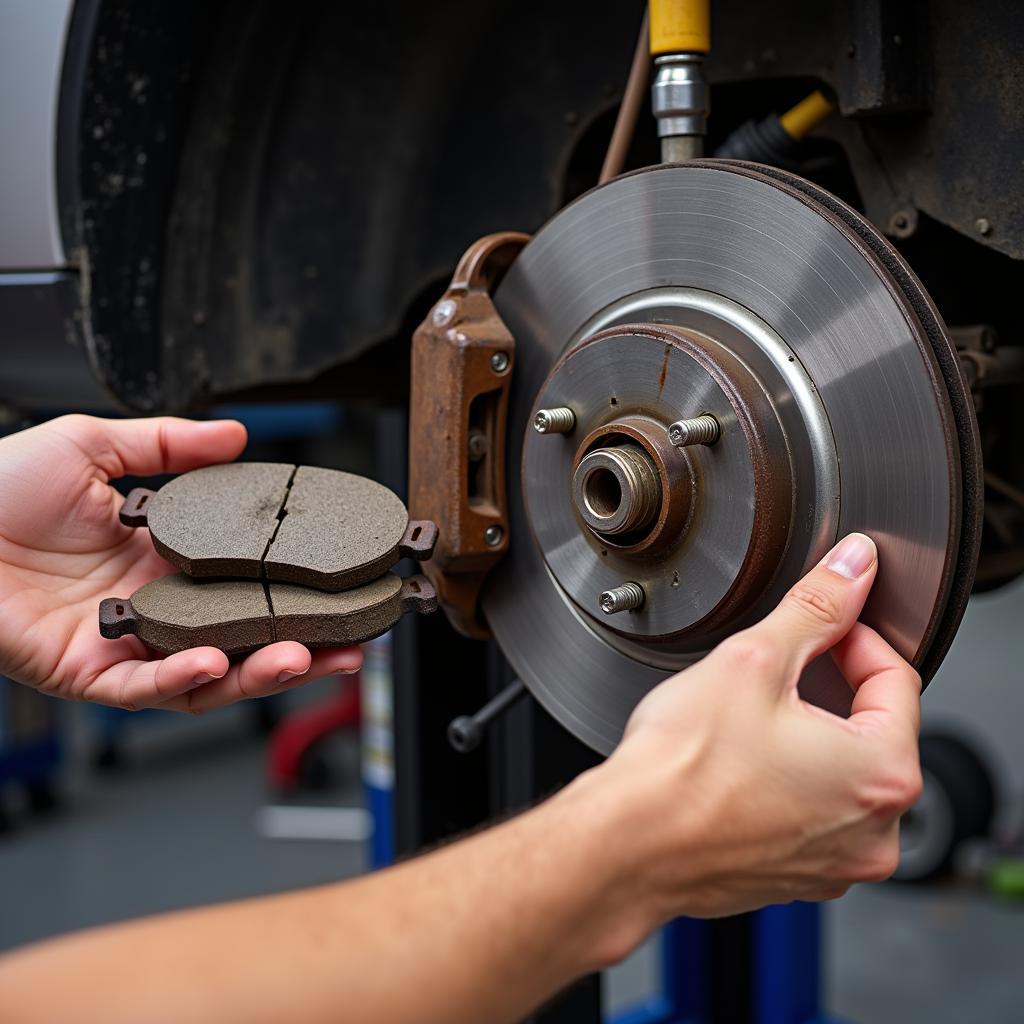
260	674
820	609
332	661
202	678
143	684
160	444
887	690
269	670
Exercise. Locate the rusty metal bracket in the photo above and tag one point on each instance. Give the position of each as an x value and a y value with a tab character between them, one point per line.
462	362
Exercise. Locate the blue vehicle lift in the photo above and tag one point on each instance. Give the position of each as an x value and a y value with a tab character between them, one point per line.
30	746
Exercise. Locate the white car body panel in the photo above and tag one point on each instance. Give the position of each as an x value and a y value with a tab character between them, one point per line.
32	35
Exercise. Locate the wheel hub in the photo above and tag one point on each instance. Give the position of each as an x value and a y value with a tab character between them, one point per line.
701	528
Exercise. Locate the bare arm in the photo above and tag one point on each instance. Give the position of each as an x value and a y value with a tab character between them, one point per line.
482	930
727	793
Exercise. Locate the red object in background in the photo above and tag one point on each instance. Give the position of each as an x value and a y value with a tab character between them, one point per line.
300	731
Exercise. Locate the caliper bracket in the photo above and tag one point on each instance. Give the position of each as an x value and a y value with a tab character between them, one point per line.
462	361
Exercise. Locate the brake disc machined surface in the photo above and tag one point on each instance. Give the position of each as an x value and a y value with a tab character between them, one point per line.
753	303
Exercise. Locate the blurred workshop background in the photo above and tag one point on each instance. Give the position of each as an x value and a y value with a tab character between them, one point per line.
170	171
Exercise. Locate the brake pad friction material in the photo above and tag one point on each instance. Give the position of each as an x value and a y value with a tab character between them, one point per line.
261	520
217	521
338	531
174	613
318	619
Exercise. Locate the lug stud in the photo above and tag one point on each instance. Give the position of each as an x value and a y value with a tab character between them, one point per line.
699	430
554	421
623	598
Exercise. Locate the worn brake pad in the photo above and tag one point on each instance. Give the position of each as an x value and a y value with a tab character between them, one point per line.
175	613
316	527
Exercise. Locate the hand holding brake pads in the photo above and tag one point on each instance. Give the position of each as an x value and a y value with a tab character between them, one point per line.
272	552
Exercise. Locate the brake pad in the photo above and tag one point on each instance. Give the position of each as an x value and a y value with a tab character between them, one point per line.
319	528
175	612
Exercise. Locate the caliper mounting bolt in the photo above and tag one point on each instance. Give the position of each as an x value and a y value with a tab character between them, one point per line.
554	421
623	598
699	430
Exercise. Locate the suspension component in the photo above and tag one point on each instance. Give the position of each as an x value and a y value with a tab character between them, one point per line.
466	732
680	98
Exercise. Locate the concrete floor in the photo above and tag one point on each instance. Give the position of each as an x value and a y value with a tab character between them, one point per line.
946	955
177	828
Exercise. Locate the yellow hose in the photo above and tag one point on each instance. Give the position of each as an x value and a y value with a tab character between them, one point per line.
805	115
680	26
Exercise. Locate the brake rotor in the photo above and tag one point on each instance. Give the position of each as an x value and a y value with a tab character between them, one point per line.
740	293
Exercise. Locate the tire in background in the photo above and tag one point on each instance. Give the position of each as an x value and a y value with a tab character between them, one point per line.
957	803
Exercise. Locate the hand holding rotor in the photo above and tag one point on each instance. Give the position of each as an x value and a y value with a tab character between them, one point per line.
735	793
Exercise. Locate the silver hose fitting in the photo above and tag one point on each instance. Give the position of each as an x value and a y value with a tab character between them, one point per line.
623	598
681	100
554	421
699	430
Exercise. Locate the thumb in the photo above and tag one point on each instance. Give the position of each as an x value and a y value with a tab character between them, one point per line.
822	607
158	444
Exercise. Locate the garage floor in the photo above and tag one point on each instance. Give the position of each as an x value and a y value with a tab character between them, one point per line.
179	828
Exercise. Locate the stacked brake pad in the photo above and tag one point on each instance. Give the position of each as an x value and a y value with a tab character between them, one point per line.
272	552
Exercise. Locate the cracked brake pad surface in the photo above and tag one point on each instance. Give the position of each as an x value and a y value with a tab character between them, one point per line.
315	527
175	613
217	521
338	531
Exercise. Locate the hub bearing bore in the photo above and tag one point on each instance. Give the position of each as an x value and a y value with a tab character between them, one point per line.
616	490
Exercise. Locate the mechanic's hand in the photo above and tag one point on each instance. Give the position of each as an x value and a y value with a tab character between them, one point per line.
63	549
740	794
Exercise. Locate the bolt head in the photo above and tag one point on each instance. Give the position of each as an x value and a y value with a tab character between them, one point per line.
902	222
493	535
477	445
464	734
983	226
499	362
443	313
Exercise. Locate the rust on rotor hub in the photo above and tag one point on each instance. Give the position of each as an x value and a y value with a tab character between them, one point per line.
675	475
711	519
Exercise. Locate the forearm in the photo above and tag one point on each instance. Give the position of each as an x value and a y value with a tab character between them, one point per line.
485	929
